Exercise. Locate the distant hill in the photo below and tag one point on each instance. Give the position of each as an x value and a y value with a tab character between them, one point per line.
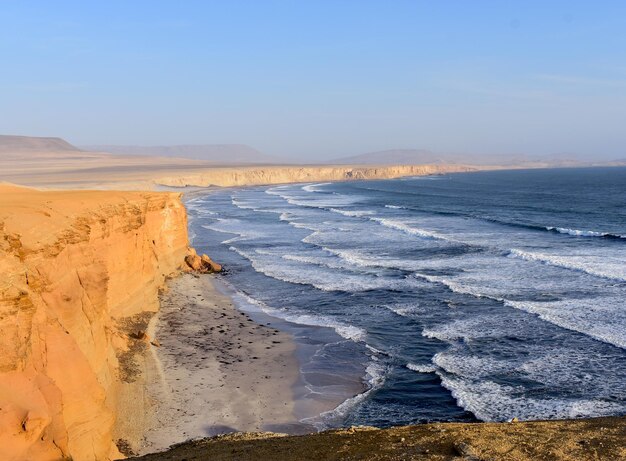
392	156
422	156
213	153
16	144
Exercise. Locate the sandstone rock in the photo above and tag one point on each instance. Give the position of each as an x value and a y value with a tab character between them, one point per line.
194	262
73	264
141	335
210	264
202	264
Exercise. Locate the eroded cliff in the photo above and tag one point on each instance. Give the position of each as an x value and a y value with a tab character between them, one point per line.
251	176
75	266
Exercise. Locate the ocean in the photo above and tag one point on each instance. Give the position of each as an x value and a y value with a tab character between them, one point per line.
462	297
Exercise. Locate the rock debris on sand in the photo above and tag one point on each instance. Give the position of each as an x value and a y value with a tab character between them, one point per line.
219	370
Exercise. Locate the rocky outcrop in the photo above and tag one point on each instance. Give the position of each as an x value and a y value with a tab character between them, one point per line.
202	264
251	176
75	266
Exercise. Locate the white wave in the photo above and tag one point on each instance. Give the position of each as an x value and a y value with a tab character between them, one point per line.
375	375
582	233
276	190
242	205
597	265
260	208
564	367
401	226
352	213
478	326
318	261
349	259
354	257
461	364
396	207
232	226
276	267
288	217
458	286
350	332
220	225
600	319
360	259
490	401
421	368
203	212
446	332
320	201
405	310
314	187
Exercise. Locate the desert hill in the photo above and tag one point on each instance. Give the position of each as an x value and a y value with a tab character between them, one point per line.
15	144
213	153
390	157
423	156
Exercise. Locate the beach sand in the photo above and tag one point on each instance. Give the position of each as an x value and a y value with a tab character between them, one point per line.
214	370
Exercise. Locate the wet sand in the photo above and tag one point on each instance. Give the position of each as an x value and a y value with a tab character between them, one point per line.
217	370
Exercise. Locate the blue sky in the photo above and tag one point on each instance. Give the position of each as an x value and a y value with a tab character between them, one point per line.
319	79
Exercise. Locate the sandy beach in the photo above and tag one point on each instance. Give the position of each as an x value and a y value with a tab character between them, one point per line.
215	369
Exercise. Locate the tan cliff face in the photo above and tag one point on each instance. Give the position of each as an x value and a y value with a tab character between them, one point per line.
251	176
74	265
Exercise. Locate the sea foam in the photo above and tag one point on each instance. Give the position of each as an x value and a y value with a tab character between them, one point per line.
599	266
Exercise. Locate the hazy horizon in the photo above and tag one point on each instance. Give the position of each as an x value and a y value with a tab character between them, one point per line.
321	80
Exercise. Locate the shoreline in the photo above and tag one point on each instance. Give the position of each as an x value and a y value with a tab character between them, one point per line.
218	367
145	396
222	371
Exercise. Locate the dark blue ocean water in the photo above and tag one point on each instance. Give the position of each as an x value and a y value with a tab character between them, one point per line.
484	296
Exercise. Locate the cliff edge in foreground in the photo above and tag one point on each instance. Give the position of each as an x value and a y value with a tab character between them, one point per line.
76	266
568	440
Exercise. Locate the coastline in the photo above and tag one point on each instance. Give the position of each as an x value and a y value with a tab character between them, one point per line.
220	365
127	406
218	370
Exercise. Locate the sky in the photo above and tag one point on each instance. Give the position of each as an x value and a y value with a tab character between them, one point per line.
319	79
